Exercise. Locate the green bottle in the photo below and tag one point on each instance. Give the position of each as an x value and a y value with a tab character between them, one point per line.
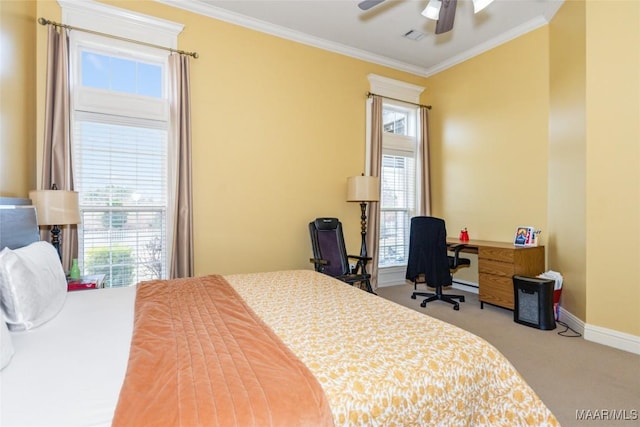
74	273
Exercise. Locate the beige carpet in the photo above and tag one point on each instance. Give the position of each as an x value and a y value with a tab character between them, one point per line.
574	377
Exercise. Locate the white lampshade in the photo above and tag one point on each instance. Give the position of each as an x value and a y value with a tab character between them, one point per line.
478	5
56	207
432	11
363	189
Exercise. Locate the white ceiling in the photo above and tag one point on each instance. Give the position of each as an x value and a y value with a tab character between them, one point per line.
376	35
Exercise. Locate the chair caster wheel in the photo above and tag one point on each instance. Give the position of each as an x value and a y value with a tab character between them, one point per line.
462	299
423	304
456	307
413	296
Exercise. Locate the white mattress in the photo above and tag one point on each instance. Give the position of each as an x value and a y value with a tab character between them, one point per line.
54	366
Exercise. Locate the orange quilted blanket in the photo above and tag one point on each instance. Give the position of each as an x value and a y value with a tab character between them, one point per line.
200	356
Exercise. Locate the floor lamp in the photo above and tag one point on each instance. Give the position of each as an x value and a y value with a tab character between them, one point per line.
363	189
56	207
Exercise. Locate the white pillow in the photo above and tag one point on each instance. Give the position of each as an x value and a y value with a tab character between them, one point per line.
33	286
6	347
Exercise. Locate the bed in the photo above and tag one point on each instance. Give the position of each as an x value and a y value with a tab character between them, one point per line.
131	356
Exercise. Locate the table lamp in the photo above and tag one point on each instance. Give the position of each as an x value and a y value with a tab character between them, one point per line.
363	189
56	207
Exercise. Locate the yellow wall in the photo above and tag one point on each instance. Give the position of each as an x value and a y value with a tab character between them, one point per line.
489	141
613	165
566	241
17	97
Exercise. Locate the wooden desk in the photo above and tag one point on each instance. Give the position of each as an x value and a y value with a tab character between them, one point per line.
498	262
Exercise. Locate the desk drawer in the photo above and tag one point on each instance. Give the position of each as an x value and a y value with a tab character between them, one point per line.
496	290
490	266
498	254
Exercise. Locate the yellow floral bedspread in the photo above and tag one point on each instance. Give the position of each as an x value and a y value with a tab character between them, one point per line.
382	364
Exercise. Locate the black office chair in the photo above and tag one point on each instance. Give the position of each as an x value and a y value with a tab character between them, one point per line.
330	254
429	261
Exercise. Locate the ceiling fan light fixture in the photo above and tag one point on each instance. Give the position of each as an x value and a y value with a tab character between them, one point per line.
432	11
478	5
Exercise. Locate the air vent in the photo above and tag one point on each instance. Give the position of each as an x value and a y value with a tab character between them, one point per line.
414	35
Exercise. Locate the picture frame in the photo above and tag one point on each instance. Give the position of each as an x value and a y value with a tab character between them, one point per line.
526	236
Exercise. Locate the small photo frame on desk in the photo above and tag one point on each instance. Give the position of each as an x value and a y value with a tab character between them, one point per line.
526	236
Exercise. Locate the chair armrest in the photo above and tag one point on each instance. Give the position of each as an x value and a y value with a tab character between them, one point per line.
456	248
360	258
361	265
319	264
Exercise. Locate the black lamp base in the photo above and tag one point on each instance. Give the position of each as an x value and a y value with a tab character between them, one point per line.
55	240
363	226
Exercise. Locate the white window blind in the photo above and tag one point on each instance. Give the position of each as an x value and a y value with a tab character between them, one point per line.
397	205
121	175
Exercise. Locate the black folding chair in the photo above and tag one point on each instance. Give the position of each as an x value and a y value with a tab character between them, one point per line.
330	254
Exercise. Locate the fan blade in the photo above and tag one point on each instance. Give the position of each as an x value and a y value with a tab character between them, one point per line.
368	4
446	17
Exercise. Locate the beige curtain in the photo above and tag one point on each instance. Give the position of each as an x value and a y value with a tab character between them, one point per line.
423	158
56	154
182	244
375	169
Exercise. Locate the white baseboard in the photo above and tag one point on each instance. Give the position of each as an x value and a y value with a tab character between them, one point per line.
391	276
615	339
465	285
600	335
572	321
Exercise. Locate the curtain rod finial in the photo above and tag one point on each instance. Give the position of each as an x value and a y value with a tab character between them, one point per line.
42	21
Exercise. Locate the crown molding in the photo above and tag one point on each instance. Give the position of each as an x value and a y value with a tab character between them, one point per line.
515	32
286	33
204	9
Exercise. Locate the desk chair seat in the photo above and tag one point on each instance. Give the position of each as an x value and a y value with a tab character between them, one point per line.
330	254
429	261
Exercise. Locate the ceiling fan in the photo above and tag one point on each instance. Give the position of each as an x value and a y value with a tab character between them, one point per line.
443	11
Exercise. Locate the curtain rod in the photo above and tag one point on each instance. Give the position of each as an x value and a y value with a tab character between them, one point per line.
43	21
369	95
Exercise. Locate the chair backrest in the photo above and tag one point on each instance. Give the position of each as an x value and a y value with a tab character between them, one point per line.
328	244
428	251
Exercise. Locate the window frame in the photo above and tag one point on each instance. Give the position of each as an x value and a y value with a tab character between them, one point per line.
406	146
100	110
111	102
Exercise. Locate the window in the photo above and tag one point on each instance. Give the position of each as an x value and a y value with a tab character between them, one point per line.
394	120
120	126
398	184
120	74
399	174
